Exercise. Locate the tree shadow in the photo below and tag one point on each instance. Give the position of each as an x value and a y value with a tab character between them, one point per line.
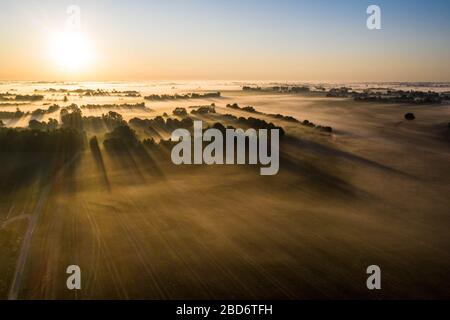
98	157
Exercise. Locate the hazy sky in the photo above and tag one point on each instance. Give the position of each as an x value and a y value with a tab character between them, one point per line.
313	40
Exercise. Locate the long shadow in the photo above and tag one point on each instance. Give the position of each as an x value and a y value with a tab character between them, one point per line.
98	157
316	178
12	122
149	158
21	169
321	149
124	159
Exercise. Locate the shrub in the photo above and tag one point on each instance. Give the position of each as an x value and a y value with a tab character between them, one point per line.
410	116
180	112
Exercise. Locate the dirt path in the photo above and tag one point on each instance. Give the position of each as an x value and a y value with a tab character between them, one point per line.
33	220
23	255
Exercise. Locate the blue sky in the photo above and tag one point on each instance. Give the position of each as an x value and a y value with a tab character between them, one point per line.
246	39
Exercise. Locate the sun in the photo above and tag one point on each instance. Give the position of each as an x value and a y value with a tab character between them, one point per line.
70	50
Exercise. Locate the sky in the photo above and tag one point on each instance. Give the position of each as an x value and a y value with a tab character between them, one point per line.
314	40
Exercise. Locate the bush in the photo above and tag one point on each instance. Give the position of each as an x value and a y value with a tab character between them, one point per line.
410	116
180	112
204	110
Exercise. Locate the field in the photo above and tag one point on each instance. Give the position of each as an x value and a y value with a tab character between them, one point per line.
374	191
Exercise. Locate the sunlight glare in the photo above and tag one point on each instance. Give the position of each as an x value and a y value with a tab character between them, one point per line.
70	50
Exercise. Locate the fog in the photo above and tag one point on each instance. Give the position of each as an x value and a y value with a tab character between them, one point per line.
374	191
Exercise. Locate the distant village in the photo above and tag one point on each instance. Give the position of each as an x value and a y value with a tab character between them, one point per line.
370	95
391	96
